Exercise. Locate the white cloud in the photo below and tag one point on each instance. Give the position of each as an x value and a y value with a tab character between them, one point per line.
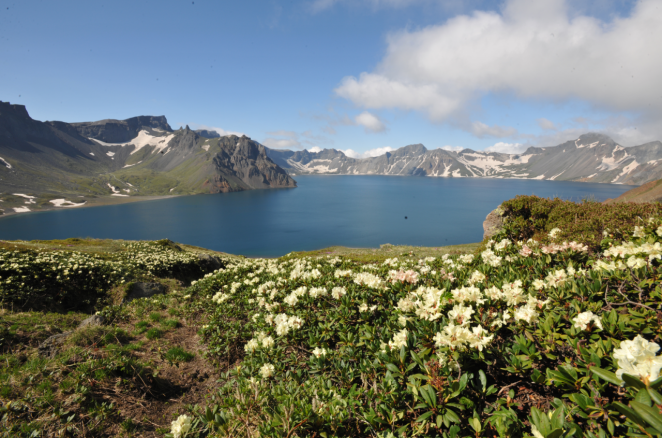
507	148
546	124
536	50
376	152
281	143
452	148
370	122
480	130
222	132
315	149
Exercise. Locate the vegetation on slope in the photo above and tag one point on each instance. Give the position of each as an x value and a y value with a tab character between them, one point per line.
545	331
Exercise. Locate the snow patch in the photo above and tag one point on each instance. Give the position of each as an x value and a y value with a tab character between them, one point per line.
5	163
205	147
144	138
21	209
92	153
30	199
110	154
118	194
65	203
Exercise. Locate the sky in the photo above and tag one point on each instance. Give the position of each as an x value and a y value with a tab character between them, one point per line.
362	76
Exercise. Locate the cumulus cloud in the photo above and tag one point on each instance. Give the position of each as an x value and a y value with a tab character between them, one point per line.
222	132
507	148
376	152
315	149
546	124
537	50
370	122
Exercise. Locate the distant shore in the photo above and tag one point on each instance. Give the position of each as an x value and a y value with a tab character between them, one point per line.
92	202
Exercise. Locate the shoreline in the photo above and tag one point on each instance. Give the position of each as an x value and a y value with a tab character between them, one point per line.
95	202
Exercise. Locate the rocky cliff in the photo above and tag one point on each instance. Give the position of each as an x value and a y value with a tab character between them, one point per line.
66	164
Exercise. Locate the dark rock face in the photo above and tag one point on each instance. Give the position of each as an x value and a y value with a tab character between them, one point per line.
209	262
144	290
120	131
94	320
207	134
493	223
51	346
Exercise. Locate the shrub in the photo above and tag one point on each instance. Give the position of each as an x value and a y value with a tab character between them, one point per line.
529	217
178	354
154	333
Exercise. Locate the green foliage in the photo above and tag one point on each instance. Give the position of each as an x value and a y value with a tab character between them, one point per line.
529	217
393	354
178	354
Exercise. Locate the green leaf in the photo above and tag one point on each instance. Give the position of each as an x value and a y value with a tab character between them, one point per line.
628	412
463	381
607	376
655	396
556	433
655	383
643	397
424	417
483	379
475	423
633	381
451	416
650	415
391	367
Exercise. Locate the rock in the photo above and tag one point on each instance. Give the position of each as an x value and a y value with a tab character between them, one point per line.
209	262
93	320
144	290
51	346
493	223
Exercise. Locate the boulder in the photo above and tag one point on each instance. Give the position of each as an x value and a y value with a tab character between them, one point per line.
51	346
93	320
493	223
143	290
209	262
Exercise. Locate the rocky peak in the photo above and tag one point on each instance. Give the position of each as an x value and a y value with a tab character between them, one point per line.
121	131
7	109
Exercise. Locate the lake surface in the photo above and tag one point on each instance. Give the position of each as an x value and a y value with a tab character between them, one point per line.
355	211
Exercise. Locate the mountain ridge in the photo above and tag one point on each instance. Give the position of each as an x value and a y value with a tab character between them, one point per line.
56	164
593	157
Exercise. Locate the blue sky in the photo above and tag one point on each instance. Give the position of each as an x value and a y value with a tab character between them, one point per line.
359	75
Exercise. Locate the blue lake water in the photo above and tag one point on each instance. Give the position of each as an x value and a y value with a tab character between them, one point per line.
355	211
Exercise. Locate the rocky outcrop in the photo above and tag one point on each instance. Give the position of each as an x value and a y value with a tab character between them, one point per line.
120	131
209	262
207	134
143	290
493	223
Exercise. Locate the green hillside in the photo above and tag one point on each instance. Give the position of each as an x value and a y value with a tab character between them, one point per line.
550	329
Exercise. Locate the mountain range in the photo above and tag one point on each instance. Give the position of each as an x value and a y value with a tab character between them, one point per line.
590	158
58	164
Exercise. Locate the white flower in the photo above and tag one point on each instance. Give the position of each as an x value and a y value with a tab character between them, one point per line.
399	340
538	284
637	357
338	292
659	230
466	258
554	232
317	292
583	319
639	232
636	262
267	370
476	277
180	426
502	245
251	346
461	314
402	320
369	280
267	342
318	352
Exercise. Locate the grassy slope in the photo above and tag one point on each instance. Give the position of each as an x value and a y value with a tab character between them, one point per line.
128	378
649	192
